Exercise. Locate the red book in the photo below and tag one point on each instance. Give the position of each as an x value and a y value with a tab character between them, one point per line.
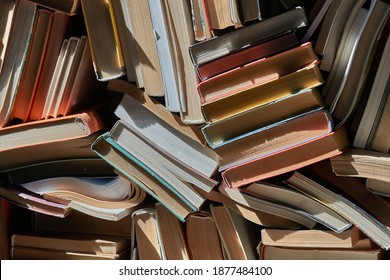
247	55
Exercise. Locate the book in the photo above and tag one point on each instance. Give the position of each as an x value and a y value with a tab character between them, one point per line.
249	10
47	151
223	14
256	73
362	163
247	55
172	91
25	253
239	237
172	234
379	139
377	95
125	31
316	21
239	102
33	65
187	171
146	239
290	197
331	31
203	239
294	104
15	57
86	167
311	238
57	34
267	206
39	132
284	253
327	146
346	94
377	206
34	202
217	47
368	224
92	244
378	187
102	191
73	80
109	198
274	138
69	7
145	47
101	27
200	20
6	16
167	138
256	216
141	177
154	106
30	140
182	37
80	223
165	167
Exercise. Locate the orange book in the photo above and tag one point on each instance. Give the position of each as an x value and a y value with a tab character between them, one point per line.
56	36
330	144
33	64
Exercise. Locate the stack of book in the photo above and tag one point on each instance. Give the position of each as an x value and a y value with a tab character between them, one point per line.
267	113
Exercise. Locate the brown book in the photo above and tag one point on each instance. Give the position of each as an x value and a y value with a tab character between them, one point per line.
286	253
330	144
26	253
80	223
172	234
146	49
69	7
312	238
201	20
90	244
146	240
239	237
362	163
103	38
180	27
223	14
203	238
33	65
56	37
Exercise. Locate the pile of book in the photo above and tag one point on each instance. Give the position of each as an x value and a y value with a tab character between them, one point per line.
178	130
